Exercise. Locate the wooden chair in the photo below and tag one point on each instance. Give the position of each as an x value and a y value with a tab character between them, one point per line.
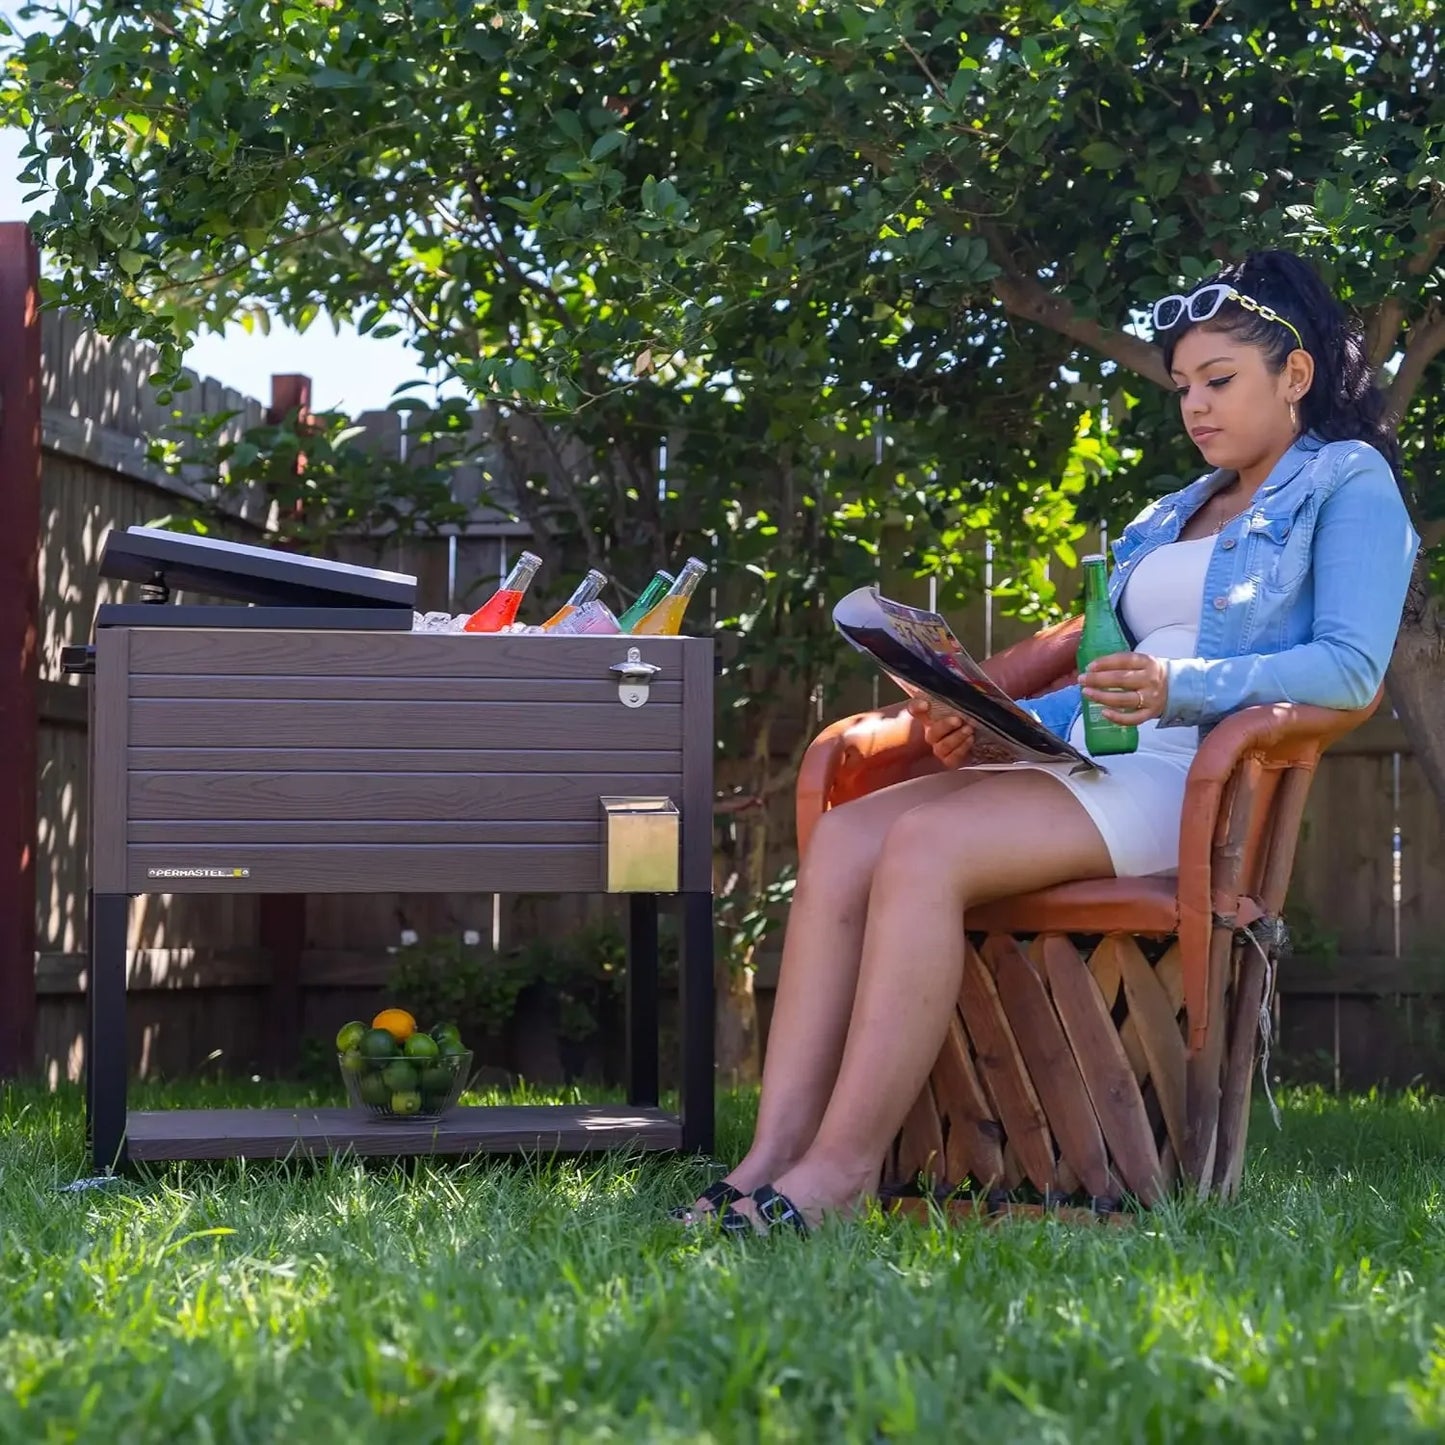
1106	1033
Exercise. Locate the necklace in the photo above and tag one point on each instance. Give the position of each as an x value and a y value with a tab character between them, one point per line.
1223	522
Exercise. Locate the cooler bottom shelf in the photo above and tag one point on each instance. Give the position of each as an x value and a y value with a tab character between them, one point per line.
164	1134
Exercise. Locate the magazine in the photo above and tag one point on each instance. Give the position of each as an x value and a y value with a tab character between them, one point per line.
918	650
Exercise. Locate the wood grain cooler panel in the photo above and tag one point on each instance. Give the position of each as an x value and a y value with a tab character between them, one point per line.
270	762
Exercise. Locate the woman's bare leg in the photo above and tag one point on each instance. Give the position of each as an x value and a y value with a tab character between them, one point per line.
819	971
1007	834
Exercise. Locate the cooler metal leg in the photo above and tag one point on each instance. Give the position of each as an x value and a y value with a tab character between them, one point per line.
697	1023
642	999
107	1052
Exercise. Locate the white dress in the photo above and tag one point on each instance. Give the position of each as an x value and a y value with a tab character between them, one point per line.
1137	804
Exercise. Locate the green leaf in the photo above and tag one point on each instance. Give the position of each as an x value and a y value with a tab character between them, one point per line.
569	124
606	143
1104	155
329	78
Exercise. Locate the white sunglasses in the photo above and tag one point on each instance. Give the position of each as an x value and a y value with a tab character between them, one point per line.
1200	305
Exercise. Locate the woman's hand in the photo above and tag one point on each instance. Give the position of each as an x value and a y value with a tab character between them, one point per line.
947	733
1134	686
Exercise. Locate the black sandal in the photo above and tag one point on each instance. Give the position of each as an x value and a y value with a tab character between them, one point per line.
773	1209
777	1208
719	1195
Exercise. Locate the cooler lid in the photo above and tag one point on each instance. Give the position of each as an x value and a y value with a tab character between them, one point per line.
242	573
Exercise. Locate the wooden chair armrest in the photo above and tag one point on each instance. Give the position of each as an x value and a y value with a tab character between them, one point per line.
1277	736
854	756
1038	664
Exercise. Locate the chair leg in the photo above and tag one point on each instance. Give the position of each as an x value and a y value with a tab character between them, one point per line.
1239	1070
1204	1070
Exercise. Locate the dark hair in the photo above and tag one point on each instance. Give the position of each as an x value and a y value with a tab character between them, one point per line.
1343	403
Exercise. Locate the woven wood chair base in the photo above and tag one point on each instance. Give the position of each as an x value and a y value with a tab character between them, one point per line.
954	1211
1065	1073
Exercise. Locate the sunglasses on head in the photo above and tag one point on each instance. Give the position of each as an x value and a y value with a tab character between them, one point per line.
1200	305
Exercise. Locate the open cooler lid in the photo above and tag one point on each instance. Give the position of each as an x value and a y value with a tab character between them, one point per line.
172	561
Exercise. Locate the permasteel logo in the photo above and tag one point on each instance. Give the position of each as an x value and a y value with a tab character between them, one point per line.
198	872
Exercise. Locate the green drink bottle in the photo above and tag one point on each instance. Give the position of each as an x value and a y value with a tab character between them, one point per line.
652	594
1102	636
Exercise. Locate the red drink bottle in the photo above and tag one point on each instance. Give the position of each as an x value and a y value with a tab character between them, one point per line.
500	609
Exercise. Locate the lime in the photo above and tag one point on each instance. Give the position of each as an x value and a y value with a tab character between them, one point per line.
378	1044
400	1076
350	1036
421	1046
353	1061
437	1079
442	1032
406	1101
450	1048
374	1090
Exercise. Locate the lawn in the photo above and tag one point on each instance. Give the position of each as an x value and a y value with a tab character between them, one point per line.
551	1300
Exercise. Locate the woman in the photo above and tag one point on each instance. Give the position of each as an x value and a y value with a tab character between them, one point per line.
1278	576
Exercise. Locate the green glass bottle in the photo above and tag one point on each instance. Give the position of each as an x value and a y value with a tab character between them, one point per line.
652	594
1102	636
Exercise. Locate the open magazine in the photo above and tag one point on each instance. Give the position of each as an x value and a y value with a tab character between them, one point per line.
918	650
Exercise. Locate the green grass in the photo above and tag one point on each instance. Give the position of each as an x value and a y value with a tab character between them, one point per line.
549	1300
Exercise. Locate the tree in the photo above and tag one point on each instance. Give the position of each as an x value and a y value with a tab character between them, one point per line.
866	271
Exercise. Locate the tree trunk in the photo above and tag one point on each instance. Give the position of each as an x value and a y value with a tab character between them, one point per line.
1416	680
738	1058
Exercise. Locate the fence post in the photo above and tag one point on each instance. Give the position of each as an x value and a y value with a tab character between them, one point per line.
19	638
281	920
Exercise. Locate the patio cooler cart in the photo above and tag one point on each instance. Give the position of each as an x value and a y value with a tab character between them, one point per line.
310	742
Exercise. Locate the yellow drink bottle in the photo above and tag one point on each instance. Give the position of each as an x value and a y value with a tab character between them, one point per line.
665	620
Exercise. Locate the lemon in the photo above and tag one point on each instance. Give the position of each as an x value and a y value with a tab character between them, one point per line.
350	1036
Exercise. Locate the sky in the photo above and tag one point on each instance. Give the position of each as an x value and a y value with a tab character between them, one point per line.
349	373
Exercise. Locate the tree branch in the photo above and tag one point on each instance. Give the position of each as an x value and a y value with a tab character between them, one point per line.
1382	330
1426	340
1026	297
496	243
934	83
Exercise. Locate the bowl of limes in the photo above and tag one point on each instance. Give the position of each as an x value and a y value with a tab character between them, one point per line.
395	1070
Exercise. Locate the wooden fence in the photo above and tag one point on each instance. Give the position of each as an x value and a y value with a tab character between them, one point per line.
212	977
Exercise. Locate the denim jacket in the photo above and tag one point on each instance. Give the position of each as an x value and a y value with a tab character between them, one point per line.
1302	596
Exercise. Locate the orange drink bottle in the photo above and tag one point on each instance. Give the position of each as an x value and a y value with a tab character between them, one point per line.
591	617
665	620
500	609
589	588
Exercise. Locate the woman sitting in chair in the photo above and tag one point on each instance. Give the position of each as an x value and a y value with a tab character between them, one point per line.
1278	576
